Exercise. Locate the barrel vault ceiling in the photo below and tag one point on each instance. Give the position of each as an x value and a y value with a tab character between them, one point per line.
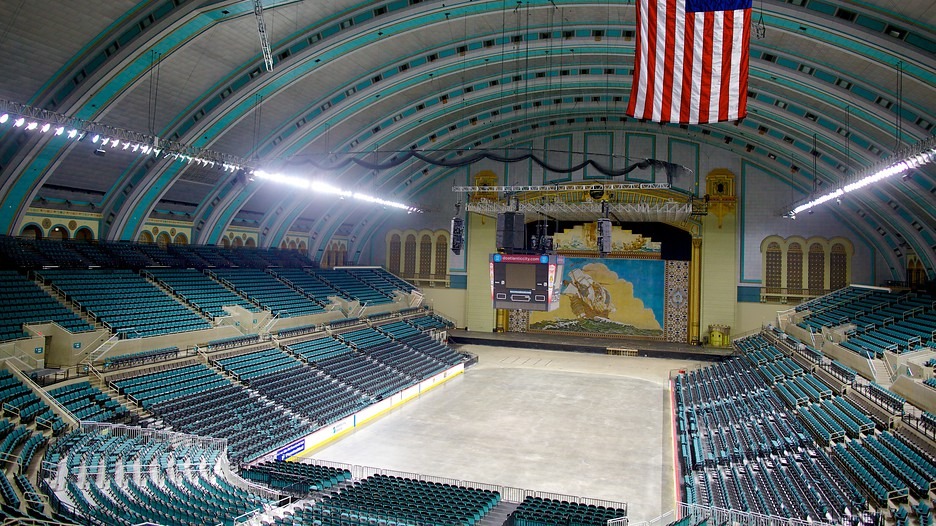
839	84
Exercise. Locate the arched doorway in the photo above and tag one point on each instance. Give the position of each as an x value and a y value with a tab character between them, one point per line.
58	233
84	234
31	232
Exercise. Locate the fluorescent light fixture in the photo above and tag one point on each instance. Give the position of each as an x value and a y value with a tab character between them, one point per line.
914	157
326	188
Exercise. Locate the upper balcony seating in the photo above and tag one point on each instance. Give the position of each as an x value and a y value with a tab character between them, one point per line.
309	284
200	291
25	302
269	292
380	279
125	301
353	287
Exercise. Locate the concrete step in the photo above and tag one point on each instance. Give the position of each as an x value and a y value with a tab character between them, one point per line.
498	515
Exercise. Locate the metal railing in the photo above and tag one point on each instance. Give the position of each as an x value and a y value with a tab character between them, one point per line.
715	515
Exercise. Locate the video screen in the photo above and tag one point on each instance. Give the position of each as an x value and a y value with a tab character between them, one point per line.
519	276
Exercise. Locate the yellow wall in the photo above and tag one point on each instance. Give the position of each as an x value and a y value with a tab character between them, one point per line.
719	272
448	302
751	316
482	238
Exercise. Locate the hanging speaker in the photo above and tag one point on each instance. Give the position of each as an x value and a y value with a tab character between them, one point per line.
604	236
457	234
511	231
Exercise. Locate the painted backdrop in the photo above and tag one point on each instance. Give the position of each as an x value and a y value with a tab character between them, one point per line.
623	297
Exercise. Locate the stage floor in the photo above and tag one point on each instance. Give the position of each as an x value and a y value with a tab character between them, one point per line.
588	344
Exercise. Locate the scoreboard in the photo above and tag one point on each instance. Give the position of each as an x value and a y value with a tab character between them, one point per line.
526	282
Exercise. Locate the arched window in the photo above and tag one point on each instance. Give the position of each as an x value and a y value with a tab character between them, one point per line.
238	242
163	239
292	245
145	237
409	256
300	247
393	258
31	232
225	242
84	234
838	267
283	244
425	256
773	278
441	257
250	242
180	239
794	272
816	270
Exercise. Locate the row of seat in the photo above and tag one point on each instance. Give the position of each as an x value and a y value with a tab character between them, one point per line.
25	302
295	477
141	358
87	402
537	511
200	291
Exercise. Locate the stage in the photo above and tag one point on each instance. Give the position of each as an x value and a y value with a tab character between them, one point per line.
587	344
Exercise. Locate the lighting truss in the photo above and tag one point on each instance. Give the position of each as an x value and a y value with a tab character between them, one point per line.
916	156
264	40
325	188
565	187
666	211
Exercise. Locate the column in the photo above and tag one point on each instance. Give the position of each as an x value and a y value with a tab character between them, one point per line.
695	290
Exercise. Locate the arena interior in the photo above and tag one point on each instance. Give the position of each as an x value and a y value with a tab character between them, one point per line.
416	262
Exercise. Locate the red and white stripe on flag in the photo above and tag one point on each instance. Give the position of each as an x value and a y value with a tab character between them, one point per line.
692	59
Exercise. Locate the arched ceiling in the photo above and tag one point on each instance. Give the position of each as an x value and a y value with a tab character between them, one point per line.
370	78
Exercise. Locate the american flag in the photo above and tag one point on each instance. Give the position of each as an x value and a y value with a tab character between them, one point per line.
692	61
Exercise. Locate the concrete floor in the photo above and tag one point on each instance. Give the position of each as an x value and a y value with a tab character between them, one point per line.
589	425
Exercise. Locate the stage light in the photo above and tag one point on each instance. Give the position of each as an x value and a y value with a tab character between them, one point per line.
95	138
32	125
19	122
45	127
72	134
136	147
115	143
60	130
4	118
100	152
126	145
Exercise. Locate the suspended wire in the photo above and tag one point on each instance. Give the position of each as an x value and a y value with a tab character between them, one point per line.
899	130
155	60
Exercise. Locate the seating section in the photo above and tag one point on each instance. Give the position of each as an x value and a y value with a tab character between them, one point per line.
352	287
309	284
379	346
298	386
195	399
385	498
125	302
381	280
268	292
366	374
882	321
430	321
414	338
200	291
295	477
741	447
537	511
20	401
87	402
141	358
25	302
179	479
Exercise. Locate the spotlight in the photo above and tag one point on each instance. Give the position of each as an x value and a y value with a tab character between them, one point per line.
45	127
32	125
95	138
100	152
72	134
19	122
126	145
60	130
136	147
115	143
5	117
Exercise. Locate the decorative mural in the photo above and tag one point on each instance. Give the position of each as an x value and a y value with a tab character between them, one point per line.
608	297
677	301
584	238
